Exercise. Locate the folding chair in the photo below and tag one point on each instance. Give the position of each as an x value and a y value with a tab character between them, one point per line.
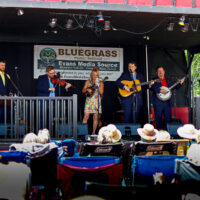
144	167
73	172
93	149
155	148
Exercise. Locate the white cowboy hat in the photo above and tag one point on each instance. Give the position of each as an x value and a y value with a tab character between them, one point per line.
162	136
187	131
148	132
193	154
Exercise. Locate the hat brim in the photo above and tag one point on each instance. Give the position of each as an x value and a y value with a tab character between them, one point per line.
181	132
148	138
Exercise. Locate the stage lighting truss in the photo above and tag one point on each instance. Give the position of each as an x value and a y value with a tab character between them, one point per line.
97	23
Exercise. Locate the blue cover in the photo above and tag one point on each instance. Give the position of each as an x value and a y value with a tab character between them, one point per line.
70	144
89	162
17	156
143	168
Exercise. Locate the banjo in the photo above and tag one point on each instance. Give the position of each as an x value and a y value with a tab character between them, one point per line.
167	96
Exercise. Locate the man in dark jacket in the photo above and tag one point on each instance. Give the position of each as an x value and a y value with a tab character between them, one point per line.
132	103
162	107
46	88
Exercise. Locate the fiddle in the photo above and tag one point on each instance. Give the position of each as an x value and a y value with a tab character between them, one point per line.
61	82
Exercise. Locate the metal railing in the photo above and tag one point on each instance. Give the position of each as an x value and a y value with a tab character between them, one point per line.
21	115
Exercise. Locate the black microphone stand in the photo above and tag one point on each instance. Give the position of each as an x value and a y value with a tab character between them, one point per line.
14	85
17	77
98	93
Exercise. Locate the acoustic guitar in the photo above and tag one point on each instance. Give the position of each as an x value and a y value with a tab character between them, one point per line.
167	96
135	86
93	87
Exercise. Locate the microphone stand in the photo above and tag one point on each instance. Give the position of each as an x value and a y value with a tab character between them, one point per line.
98	93
17	76
14	85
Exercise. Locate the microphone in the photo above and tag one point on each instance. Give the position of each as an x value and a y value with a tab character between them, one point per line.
58	74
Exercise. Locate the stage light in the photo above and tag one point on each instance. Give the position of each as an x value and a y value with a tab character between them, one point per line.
53	22
182	21
170	26
107	25
20	12
69	24
185	27
100	17
91	23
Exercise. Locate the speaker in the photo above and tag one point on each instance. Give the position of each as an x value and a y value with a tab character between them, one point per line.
172	129
82	129
128	129
196	112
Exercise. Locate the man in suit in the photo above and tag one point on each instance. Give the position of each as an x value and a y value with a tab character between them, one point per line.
45	88
5	89
162	107
133	103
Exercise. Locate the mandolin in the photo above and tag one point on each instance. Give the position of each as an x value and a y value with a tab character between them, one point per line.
167	96
135	86
93	87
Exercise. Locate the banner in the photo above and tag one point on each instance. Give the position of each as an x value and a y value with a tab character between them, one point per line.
76	63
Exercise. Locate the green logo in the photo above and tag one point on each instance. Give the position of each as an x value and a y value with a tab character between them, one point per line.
47	55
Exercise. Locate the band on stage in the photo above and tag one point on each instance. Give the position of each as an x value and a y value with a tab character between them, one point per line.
131	86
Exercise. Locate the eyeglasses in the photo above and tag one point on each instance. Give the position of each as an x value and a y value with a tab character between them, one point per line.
51	73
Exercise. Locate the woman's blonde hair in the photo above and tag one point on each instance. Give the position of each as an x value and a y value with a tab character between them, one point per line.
94	70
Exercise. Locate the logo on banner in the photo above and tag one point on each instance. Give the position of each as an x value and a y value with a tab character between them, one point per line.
48	55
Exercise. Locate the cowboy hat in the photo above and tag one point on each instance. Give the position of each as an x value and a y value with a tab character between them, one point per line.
148	132
162	136
187	131
193	154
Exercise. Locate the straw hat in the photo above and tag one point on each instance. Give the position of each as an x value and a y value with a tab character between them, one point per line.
187	131
162	136
193	154
108	134
148	132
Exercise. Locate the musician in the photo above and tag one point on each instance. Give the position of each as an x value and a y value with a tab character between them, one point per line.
133	103
93	98
46	88
162	107
5	88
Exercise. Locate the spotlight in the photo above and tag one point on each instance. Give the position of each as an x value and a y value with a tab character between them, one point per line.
100	17
182	21
53	22
185	27
91	23
107	25
170	26
55	31
68	25
20	12
45	31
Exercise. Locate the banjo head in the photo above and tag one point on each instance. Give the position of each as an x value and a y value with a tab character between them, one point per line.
164	97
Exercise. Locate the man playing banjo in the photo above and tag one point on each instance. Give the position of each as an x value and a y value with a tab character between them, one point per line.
161	97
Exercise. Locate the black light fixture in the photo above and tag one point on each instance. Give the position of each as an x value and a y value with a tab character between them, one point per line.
107	25
185	27
53	22
91	23
170	26
100	17
181	21
20	12
69	23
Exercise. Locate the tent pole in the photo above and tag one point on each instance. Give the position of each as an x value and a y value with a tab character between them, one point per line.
147	78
